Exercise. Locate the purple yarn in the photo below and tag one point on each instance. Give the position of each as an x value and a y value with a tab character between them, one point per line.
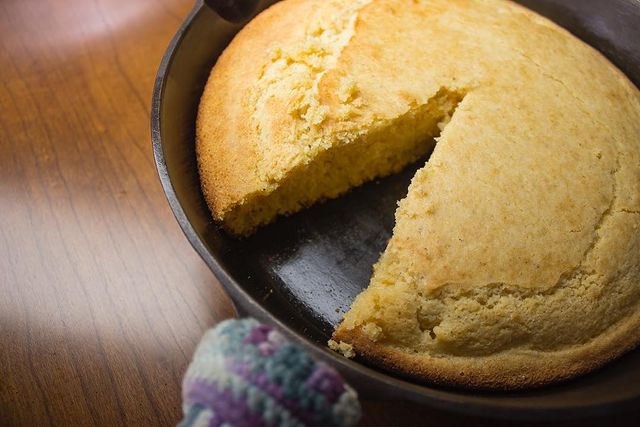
261	381
257	335
327	381
225	406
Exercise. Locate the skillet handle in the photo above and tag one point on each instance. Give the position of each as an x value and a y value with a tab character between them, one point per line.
234	10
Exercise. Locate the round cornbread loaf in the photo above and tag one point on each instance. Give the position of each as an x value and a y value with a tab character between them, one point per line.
515	259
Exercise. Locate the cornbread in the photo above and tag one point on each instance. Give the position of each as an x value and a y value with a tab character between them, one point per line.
515	258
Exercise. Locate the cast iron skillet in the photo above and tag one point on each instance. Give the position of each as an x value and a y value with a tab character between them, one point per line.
303	271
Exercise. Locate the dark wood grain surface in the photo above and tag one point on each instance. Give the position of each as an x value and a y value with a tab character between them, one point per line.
102	300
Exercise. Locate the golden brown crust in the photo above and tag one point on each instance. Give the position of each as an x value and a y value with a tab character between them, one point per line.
227	157
505	372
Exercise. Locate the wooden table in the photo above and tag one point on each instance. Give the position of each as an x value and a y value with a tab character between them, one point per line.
102	300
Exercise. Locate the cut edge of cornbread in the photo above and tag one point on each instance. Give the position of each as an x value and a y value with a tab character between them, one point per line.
520	359
377	152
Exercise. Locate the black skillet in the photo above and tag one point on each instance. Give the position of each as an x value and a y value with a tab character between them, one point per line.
303	271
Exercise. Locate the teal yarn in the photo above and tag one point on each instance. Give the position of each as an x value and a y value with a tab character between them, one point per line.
247	374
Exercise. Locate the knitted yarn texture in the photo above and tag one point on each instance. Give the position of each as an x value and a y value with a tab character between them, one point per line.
246	374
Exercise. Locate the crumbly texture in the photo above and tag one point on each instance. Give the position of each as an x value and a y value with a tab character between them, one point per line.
343	348
515	259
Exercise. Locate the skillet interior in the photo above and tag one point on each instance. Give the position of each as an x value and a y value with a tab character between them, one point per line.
303	271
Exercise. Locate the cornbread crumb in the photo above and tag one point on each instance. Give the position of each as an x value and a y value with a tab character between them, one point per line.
343	348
